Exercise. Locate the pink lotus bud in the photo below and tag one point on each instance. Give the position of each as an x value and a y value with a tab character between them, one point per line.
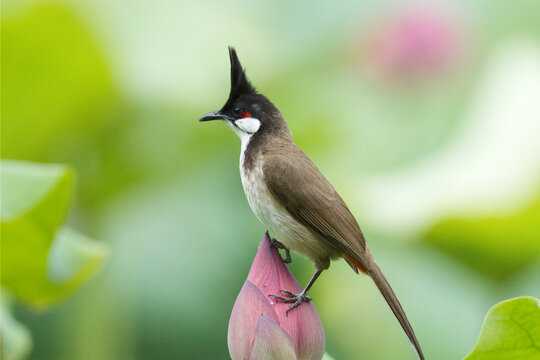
259	327
413	44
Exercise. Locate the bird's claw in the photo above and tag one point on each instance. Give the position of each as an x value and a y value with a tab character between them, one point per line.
295	299
278	245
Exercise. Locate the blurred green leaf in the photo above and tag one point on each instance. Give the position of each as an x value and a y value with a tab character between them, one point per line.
73	258
497	246
511	330
42	262
55	80
16	339
47	189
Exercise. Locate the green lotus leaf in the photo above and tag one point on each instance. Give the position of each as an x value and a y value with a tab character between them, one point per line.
42	262
511	330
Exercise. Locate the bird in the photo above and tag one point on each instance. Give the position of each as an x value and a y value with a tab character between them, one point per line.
292	198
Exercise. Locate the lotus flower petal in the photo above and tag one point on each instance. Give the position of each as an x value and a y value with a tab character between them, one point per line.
271	341
270	275
249	305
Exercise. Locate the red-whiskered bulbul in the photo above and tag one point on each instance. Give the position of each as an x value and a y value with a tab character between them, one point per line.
291	197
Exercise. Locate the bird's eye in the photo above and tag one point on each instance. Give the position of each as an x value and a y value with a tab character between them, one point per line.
241	114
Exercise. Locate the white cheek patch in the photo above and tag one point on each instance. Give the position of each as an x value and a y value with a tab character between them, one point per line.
249	125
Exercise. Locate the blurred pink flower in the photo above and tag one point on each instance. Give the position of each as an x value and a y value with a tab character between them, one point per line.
413	44
259	327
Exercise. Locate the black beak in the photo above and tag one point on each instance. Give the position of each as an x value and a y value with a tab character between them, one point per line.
215	115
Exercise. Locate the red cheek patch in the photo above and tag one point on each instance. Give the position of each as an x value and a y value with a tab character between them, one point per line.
245	114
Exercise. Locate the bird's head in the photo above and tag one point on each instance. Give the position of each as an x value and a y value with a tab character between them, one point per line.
246	111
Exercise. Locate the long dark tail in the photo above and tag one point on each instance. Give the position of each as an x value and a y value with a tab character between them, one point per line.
388	294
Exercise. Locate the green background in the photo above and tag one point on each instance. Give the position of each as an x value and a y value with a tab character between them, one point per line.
427	131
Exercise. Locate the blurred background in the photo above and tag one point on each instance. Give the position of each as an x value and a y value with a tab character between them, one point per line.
424	115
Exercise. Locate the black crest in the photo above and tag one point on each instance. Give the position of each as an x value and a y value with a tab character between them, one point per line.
240	85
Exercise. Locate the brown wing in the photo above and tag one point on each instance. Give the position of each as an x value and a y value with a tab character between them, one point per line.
295	182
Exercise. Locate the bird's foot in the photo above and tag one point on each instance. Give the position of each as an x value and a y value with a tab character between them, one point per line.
295	299
278	245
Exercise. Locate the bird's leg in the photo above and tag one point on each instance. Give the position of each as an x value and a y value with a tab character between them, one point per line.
278	245
297	299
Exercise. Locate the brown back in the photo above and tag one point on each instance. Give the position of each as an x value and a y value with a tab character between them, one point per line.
300	187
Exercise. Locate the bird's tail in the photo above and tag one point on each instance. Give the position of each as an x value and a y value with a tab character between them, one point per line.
384	287
388	294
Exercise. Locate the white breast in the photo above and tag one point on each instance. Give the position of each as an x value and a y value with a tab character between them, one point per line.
274	216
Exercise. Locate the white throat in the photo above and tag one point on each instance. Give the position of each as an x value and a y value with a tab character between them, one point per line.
245	128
